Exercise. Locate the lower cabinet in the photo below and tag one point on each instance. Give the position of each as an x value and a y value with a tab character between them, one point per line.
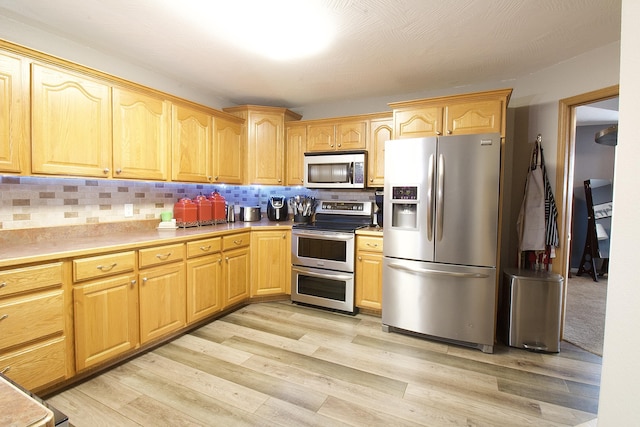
204	278
368	272
271	266
34	332
236	269
106	319
162	301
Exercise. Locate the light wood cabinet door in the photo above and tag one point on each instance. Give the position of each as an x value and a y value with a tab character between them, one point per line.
192	145
204	286
296	143
162	301
473	117
271	266
71	124
321	138
417	122
351	135
14	115
228	152
380	130
106	319
141	135
266	149
236	273
368	272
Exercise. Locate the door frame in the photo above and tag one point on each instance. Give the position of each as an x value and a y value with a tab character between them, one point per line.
564	173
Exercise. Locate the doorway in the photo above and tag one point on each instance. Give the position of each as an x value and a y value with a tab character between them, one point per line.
568	120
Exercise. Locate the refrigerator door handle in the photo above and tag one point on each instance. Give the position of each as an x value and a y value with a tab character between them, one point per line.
430	199
431	271
440	198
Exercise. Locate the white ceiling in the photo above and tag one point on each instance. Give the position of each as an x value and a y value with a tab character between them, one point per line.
382	47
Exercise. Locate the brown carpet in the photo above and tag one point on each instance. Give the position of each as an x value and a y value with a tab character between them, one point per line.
585	313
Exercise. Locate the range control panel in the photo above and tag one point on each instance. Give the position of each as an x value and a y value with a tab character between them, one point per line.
347	208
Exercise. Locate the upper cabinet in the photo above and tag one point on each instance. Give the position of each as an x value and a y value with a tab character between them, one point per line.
337	135
481	112
71	123
296	143
192	142
141	135
228	151
380	131
264	132
14	114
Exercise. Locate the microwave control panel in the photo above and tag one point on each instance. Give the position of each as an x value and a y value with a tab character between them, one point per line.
358	173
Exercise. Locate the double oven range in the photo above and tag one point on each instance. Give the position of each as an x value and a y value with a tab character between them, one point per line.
323	255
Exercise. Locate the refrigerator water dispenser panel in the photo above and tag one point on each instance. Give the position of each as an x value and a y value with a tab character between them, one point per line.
404	207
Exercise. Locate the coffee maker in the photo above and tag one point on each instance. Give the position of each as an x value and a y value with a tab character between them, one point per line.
379	205
277	208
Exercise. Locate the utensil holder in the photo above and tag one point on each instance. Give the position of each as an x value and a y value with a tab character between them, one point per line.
305	219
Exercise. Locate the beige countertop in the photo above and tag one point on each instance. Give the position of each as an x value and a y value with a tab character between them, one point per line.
370	231
66	242
18	409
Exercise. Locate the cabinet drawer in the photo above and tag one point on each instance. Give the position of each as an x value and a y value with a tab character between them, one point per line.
371	244
37	365
161	255
104	265
204	247
26	279
32	317
236	241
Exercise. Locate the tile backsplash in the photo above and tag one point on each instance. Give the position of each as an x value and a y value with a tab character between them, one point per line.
34	202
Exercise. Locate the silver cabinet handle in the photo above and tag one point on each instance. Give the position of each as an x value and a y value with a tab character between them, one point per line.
438	272
106	267
205	248
238	242
430	199
373	245
3	284
4	316
5	370
440	198
163	256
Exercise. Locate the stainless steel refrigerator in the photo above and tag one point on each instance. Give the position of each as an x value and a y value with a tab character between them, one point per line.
441	198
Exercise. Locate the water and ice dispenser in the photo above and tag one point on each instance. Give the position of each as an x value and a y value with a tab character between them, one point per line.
404	206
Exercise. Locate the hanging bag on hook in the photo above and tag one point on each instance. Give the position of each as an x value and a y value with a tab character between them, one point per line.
531	219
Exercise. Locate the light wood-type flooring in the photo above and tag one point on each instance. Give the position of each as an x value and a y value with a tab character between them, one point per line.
280	364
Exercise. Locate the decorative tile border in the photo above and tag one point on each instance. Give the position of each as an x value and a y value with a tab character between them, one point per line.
34	202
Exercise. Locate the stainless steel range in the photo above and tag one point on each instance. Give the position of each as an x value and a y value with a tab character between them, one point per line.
323	255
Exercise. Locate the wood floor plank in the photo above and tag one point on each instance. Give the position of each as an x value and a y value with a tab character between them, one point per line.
357	415
566	399
288	414
350	374
293	393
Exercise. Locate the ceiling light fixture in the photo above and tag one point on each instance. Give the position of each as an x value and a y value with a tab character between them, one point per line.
277	29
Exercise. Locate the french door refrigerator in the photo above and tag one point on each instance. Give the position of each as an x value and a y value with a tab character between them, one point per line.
441	201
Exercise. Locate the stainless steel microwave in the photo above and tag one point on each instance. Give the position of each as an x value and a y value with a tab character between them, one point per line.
347	169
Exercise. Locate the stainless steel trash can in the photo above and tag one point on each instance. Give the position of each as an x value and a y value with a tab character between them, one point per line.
530	310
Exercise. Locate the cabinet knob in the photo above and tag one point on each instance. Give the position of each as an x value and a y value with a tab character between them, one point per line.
359	258
209	178
3	284
216	178
284	236
106	171
118	171
449	131
370	179
133	282
219	260
438	132
226	259
144	280
279	180
339	145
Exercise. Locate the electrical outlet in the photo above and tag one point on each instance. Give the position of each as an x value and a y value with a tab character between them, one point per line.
128	210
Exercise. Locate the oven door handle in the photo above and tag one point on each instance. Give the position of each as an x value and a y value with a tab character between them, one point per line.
328	236
315	273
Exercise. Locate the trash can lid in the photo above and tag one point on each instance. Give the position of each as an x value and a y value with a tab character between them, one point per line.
532	274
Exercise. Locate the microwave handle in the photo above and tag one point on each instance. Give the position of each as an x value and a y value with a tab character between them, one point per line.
351	172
